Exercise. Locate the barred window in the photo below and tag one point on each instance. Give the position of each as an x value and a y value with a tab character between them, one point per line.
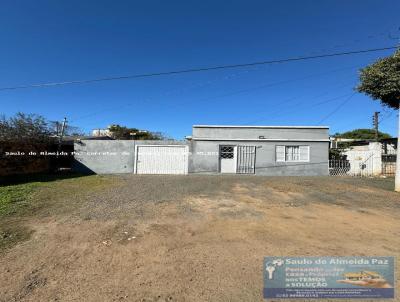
226	152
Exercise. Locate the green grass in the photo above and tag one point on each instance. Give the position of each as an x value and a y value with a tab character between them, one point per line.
14	198
42	196
46	193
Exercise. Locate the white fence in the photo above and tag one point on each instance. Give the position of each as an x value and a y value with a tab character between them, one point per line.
368	160
352	168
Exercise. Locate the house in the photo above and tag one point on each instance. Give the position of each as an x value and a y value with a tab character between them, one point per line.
261	150
213	149
101	133
362	276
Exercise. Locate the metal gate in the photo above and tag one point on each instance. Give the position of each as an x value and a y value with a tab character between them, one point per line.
246	158
161	159
389	163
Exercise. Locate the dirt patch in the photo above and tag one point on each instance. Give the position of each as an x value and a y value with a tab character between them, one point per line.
31	282
12	234
195	238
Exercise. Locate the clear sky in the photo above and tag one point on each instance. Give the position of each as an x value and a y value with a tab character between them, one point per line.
47	41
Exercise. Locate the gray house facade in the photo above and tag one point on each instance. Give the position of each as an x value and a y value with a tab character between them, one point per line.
214	149
260	150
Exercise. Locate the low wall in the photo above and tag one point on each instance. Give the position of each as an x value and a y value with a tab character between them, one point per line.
110	156
24	158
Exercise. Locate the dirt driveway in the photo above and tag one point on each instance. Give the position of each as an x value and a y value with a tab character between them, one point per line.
189	238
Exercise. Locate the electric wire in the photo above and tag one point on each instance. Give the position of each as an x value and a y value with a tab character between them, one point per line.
200	69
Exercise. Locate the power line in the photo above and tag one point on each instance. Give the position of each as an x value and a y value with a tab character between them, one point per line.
267	85
165	73
387	116
309	106
164	94
313	105
289	100
233	93
336	109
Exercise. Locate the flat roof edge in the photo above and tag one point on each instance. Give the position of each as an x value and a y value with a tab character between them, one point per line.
271	127
260	139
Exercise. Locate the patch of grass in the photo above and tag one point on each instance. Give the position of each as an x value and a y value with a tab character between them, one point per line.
47	193
42	196
386	183
14	198
382	183
66	197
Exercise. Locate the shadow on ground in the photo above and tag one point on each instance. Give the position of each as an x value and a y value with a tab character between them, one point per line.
48	177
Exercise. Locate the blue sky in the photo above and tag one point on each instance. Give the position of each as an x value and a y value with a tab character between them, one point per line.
47	41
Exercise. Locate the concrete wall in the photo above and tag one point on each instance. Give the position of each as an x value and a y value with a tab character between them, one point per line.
205	158
365	160
109	156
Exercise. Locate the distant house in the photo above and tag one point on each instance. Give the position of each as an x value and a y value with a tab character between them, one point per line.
362	276
101	132
260	150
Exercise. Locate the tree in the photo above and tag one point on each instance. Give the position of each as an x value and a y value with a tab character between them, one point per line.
364	134
32	127
56	127
381	81
122	132
28	127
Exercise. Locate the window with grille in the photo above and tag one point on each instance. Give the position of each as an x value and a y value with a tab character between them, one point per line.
292	153
226	152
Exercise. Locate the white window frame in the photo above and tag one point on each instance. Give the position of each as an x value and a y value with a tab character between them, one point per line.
285	153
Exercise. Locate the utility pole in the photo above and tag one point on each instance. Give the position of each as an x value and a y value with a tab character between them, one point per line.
64	124
63	127
57	128
375	123
397	176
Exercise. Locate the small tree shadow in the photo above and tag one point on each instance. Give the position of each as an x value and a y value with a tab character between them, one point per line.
39	177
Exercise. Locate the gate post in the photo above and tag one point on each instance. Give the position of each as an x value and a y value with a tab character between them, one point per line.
376	149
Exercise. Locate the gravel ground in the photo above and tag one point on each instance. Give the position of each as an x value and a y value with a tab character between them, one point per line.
189	238
133	191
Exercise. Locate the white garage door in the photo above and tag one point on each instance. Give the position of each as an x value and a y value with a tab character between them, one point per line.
167	159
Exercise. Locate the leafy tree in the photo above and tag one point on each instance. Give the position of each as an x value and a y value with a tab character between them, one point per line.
25	127
365	134
337	154
32	127
122	132
381	81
